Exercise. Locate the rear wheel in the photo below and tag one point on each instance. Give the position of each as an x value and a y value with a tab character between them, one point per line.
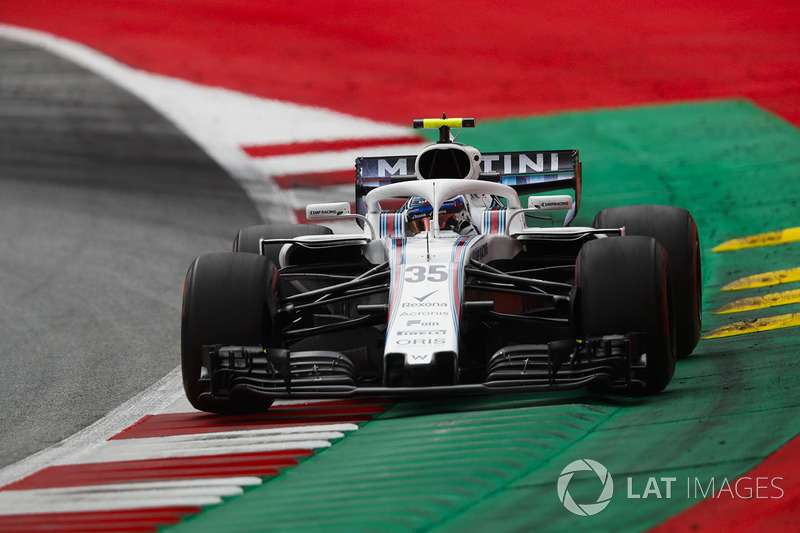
623	285
676	230
225	301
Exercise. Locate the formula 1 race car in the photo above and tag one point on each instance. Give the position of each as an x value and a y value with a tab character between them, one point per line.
450	285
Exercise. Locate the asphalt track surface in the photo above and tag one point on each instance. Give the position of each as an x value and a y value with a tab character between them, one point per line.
103	205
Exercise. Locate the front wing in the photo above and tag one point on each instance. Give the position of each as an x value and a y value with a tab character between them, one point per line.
610	362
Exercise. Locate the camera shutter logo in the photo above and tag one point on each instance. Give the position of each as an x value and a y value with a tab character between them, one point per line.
586	509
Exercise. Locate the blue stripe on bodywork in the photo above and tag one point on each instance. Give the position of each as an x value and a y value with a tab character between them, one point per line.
457	288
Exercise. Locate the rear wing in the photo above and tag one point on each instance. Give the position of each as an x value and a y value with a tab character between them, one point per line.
526	172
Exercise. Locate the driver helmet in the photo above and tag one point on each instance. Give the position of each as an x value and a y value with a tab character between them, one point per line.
453	215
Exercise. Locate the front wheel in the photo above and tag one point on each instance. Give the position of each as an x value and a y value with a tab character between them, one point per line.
624	287
225	301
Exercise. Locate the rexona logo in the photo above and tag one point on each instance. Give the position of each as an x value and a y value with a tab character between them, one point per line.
606	492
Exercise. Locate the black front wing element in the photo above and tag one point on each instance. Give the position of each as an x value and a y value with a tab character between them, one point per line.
612	361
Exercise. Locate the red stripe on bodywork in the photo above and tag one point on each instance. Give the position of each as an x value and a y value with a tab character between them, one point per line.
723	513
124	520
494	221
272	150
456	272
458	258
260	464
277	416
397	277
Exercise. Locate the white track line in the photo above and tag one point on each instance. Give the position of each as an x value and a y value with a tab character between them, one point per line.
266	432
119	450
205	491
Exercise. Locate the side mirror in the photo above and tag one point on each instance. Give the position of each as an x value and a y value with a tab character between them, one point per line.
558	202
335	210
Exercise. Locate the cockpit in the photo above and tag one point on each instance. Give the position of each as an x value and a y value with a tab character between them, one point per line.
453	216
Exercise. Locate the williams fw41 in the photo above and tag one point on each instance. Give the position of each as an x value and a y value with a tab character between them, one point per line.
447	283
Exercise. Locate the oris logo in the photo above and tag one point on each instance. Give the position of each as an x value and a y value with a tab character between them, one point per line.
419	342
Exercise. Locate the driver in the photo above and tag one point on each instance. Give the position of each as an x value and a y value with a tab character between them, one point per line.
453	216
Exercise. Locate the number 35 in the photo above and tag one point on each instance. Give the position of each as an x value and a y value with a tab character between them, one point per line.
433	273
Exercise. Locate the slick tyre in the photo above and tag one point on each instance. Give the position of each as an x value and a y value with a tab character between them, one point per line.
624	287
226	300
247	239
676	230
